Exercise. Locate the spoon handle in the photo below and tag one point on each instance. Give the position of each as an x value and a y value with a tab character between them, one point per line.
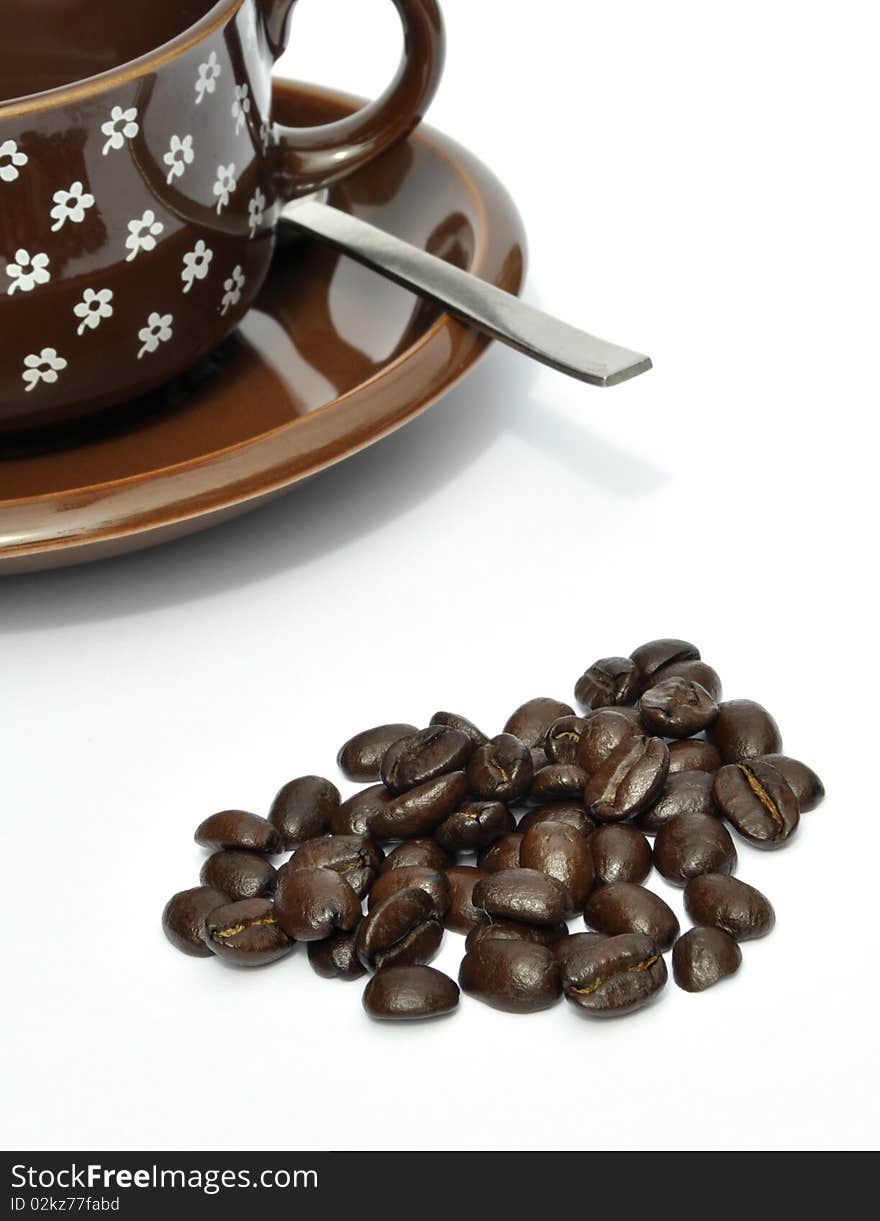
481	305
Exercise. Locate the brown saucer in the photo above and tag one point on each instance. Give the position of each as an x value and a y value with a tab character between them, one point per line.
330	359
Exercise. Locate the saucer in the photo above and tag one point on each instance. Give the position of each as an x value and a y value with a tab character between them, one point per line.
331	358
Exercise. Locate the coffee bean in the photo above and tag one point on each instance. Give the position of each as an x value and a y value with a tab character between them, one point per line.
354	857
538	757
238	829
628	781
802	780
614	976
623	907
603	733
695	672
610	681
239	875
702	957
476	825
683	793
355	816
312	903
424	852
462	915
405	928
563	738
531	720
564	854
247	933
566	947
501	770
515	976
744	730
303	808
336	957
650	658
360	758
693	844
453	721
727	903
693	755
572	813
431	881
512	930
526	895
408	993
418	811
753	796
184	917
620	854
677	708
503	854
558	781
423	756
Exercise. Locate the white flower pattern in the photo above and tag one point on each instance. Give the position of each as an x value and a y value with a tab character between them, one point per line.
93	308
71	205
27	271
256	211
233	287
121	126
179	156
265	136
241	107
225	185
142	234
195	265
206	81
158	330
42	366
11	160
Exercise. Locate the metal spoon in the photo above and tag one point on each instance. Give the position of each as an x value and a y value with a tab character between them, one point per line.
481	305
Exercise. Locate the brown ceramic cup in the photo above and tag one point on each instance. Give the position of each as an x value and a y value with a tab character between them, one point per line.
141	177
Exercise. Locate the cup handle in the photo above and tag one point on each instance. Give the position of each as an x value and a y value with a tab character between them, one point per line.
314	157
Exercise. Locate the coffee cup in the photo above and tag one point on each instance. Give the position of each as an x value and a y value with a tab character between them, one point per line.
141	176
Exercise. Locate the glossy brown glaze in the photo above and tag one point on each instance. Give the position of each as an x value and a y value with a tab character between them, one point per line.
318	387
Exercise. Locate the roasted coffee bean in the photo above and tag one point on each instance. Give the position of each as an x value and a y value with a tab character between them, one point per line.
516	976
628	781
693	755
354	857
677	708
418	811
565	947
512	930
423	756
564	854
312	903
604	732
355	816
727	903
247	933
526	895
462	915
239	875
563	738
303	808
539	758
623	907
572	813
424	852
238	829
184	917
532	719
696	672
360	758
683	793
409	993
405	927
702	957
336	956
693	844
802	780
620	854
476	825
558	781
650	658
503	854
753	796
613	976
453	721
431	881
744	730
610	681
501	770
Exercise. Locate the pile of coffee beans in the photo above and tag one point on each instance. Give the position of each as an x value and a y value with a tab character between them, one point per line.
555	814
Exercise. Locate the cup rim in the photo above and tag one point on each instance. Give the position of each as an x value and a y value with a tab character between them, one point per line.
91	86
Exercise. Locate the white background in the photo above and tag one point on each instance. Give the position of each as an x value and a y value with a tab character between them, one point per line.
698	181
